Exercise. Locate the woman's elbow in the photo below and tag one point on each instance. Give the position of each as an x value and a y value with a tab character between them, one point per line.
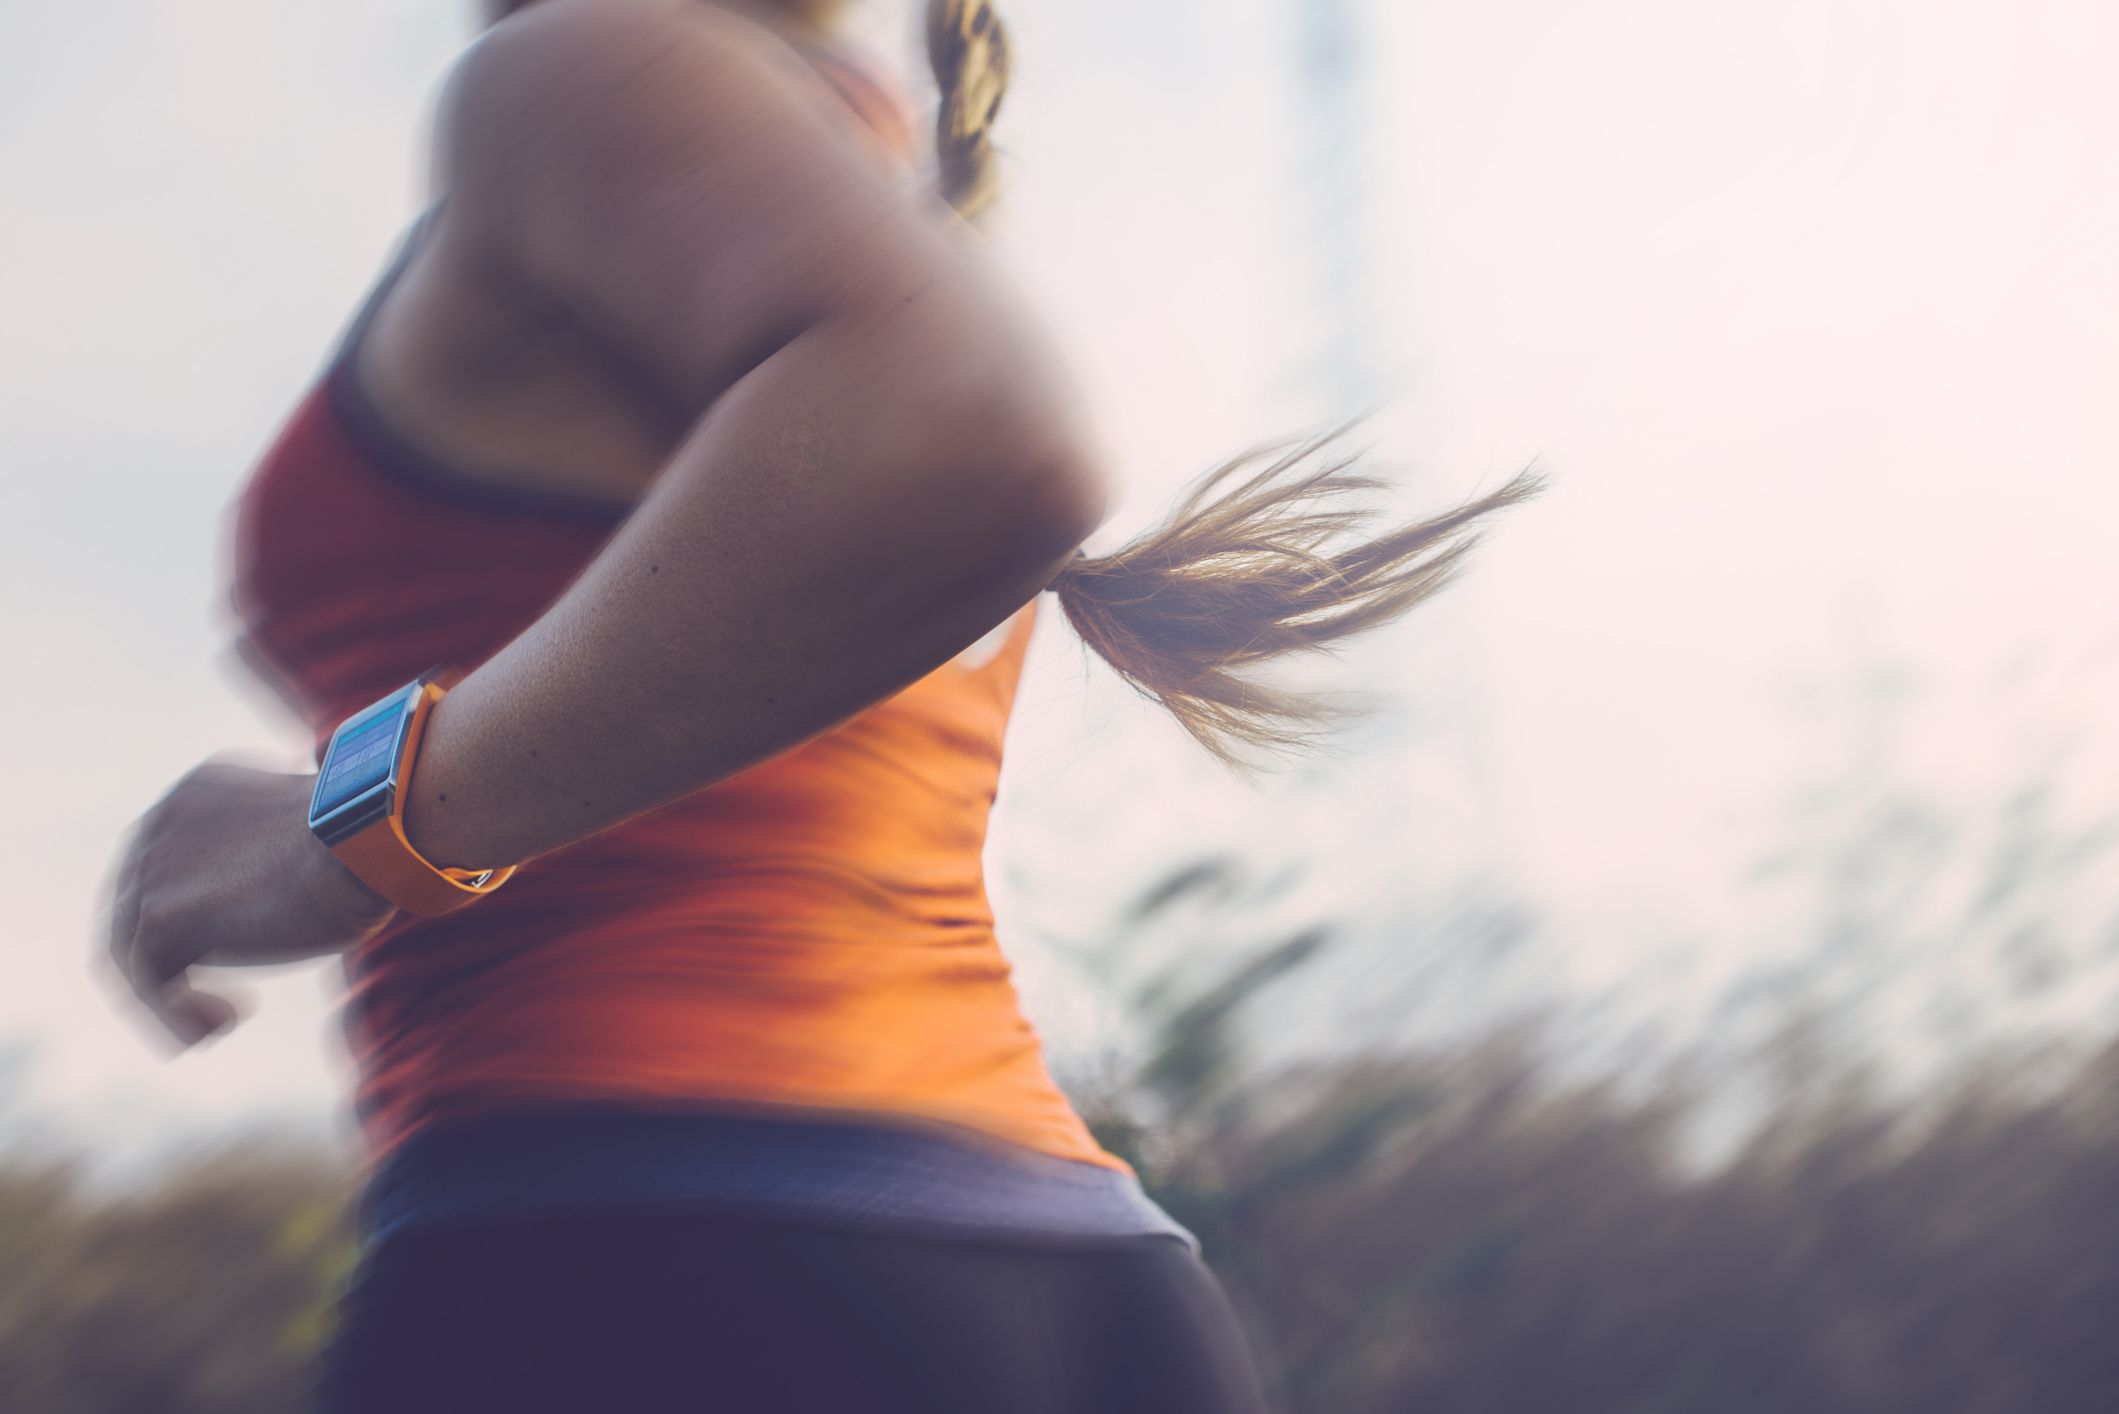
1064	499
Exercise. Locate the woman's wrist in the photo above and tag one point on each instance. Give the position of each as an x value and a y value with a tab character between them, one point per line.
335	892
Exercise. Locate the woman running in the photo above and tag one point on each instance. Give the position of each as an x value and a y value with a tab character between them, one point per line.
654	561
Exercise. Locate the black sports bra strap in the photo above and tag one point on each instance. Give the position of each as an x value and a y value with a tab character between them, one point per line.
415	235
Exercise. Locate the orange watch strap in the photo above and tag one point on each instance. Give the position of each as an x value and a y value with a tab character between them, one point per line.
382	857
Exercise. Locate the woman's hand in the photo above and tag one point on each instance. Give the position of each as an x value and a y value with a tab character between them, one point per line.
223	870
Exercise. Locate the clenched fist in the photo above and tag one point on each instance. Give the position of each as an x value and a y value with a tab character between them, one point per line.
223	870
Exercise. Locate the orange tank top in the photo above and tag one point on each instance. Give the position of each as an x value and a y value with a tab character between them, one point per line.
809	937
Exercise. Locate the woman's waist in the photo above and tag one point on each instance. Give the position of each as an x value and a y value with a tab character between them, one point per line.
976	1068
861	1169
707	878
897	1016
729	987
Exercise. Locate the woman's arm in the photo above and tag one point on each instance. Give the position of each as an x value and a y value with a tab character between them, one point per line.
900	467
884	464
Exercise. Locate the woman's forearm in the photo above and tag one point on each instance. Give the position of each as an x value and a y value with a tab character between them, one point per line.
832	531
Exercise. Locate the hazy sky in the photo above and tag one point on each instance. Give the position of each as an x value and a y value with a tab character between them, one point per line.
1811	310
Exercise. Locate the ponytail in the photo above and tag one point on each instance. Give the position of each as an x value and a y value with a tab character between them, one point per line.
967	48
1186	610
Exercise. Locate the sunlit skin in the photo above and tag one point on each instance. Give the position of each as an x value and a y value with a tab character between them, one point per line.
795	557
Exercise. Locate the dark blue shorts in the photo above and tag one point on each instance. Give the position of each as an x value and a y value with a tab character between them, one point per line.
626	1312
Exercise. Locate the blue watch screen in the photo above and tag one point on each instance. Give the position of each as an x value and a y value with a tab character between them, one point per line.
359	761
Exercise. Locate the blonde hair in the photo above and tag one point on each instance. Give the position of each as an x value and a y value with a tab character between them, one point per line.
967	47
1279	563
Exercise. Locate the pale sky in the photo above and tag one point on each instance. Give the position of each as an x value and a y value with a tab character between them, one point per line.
1810	310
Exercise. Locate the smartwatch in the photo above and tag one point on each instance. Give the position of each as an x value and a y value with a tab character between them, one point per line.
358	810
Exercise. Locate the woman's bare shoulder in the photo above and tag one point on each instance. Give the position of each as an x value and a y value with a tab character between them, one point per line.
675	175
566	77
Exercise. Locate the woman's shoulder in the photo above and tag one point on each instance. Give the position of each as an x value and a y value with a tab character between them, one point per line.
584	110
568	70
676	175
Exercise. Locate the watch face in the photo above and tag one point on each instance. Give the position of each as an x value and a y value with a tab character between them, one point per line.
363	754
